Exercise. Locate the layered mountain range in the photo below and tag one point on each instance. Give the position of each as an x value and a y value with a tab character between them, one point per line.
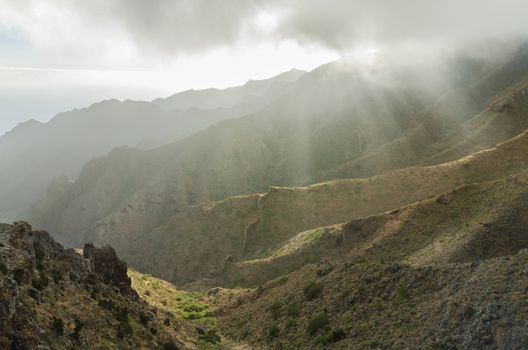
34	153
379	206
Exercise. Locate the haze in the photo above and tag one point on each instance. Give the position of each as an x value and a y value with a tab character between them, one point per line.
57	55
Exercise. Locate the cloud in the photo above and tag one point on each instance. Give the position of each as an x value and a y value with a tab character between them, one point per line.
342	24
130	30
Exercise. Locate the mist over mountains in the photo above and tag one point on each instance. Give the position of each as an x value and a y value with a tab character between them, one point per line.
62	145
372	202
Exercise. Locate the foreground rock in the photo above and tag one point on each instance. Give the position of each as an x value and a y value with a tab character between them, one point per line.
52	298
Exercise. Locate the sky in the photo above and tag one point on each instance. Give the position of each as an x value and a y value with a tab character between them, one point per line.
56	55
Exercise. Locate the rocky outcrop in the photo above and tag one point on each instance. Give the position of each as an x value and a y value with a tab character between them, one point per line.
52	298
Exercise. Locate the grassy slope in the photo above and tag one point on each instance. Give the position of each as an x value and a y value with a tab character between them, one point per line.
189	308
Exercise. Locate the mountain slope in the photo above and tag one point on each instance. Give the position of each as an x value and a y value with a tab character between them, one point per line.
195	242
376	305
496	103
477	221
62	145
336	113
446	272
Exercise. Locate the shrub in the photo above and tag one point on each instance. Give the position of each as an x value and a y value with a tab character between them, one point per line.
76	335
210	336
275	311
170	345
106	304
273	331
56	275
294	310
317	323
312	290
58	326
144	319
122	314
331	336
291	323
123	329
402	293
19	276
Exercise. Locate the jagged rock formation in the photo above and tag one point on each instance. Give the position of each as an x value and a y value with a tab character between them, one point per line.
52	298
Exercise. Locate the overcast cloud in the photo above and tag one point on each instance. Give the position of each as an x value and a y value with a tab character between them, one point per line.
241	38
131	27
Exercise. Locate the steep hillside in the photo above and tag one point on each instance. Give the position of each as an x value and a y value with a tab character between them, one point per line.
446	272
62	145
59	299
377	305
196	241
498	103
471	222
336	113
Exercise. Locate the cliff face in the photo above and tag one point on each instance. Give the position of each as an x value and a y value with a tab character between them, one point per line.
54	298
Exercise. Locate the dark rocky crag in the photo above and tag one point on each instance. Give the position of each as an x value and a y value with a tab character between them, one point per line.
55	298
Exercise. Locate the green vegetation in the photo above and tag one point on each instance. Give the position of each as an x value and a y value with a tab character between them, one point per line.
317	323
188	305
299	241
275	310
331	336
76	335
210	337
312	290
57	325
273	331
291	323
402	293
294	310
